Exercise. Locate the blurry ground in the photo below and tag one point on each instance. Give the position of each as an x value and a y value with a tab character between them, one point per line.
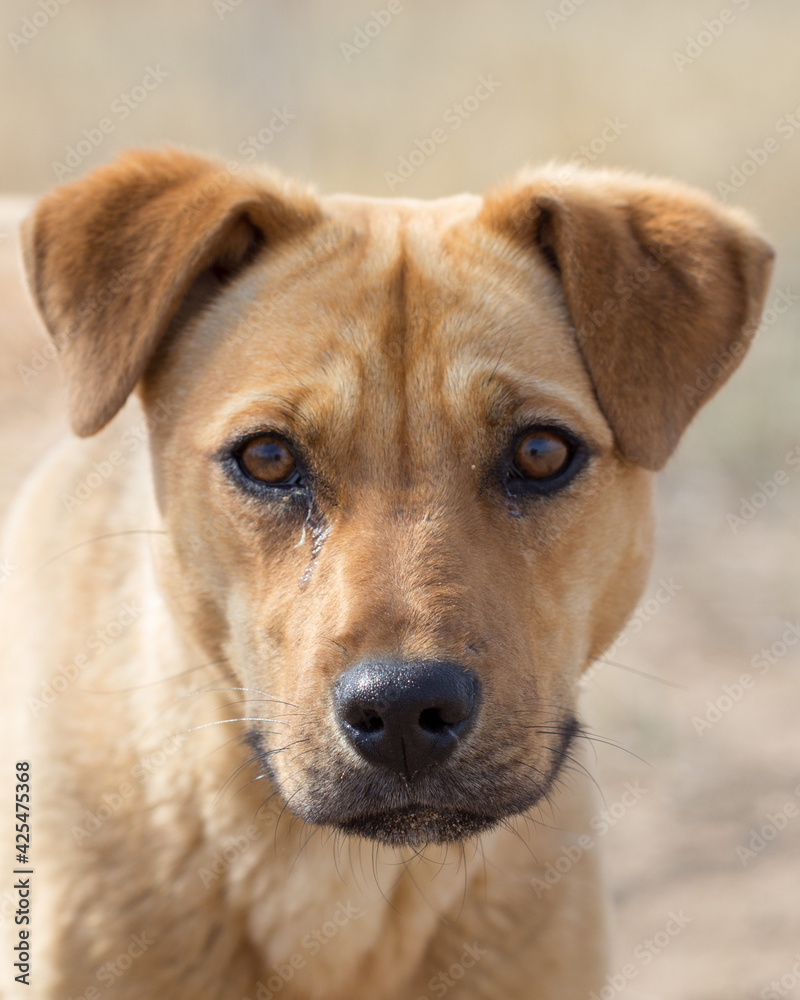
693	93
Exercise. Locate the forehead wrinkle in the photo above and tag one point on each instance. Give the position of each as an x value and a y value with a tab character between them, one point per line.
371	320
506	390
309	407
331	244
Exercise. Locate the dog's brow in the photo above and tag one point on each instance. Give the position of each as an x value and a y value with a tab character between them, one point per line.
255	410
504	391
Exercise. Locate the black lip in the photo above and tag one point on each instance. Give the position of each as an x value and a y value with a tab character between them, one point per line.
417	826
437	807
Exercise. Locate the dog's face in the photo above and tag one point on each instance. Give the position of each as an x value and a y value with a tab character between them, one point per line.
405	469
403	463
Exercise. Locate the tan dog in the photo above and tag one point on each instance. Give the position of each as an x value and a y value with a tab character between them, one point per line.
298	680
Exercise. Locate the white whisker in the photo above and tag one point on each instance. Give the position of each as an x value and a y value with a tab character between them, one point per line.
222	722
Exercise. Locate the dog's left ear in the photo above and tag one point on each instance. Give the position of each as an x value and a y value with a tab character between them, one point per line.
120	256
663	285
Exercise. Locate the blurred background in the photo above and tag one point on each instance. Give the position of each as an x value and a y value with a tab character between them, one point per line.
345	94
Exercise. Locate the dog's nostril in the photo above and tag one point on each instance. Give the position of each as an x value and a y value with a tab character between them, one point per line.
370	722
432	722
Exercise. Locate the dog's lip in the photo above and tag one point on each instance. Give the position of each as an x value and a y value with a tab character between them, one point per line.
417	825
434	807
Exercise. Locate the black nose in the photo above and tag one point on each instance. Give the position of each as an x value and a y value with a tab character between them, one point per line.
406	716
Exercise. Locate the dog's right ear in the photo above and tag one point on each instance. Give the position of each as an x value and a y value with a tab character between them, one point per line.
660	281
111	258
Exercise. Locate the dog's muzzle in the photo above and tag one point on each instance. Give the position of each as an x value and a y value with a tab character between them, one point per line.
410	763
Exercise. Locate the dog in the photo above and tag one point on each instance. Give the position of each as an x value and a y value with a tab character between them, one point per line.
295	638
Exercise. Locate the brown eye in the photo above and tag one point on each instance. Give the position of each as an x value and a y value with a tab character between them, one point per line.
542	455
268	460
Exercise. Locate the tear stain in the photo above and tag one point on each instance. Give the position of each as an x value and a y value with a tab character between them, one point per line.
319	534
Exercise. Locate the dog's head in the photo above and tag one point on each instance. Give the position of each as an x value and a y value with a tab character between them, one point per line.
403	450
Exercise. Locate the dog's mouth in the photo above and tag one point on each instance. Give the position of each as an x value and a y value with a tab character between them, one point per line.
418	826
433	811
447	804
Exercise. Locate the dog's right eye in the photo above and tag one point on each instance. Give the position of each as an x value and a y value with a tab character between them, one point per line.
267	460
541	456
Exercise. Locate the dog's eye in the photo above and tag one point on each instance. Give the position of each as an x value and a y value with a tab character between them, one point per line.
268	460
541	455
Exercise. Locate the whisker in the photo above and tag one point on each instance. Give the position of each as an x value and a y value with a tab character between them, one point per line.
99	538
224	722
604	741
161	680
507	824
314	830
265	695
641	673
281	815
229	780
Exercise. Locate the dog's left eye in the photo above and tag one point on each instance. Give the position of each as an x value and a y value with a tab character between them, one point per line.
267	460
545	459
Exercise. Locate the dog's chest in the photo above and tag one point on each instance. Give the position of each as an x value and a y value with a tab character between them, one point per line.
333	913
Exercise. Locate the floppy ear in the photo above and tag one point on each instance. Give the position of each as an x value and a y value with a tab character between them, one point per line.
112	257
663	285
